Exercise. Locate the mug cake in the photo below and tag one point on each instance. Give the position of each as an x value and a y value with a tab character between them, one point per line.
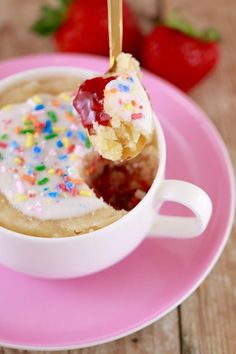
53	181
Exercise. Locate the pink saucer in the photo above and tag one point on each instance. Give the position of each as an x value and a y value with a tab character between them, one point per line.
154	279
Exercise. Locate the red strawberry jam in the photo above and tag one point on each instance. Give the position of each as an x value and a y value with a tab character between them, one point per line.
89	101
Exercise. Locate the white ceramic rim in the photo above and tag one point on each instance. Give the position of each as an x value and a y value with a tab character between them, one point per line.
62	71
183	298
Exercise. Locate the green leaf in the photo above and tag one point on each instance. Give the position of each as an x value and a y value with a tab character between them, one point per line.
66	2
211	35
51	18
179	24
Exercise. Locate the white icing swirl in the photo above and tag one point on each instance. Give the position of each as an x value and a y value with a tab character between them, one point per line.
126	99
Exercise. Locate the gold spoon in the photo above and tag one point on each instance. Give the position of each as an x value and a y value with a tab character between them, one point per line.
115	28
120	142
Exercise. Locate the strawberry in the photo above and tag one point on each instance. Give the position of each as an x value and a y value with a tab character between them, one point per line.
180	54
82	26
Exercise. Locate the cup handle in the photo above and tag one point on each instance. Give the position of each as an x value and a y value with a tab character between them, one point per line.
192	197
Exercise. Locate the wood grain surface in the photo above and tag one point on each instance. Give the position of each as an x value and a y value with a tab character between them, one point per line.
206	322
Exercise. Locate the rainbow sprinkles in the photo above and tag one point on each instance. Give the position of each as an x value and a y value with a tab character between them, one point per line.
42	145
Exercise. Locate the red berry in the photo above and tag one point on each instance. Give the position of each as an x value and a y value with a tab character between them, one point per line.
85	29
178	57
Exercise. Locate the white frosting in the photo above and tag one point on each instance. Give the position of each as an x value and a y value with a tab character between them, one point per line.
126	99
57	191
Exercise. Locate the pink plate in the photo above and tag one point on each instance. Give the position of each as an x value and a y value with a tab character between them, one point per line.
156	277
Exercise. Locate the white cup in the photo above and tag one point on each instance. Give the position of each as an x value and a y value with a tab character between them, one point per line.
89	253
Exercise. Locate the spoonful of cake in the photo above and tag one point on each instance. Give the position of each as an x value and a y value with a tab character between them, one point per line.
115	108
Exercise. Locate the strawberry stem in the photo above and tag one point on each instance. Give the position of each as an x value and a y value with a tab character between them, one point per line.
51	18
207	35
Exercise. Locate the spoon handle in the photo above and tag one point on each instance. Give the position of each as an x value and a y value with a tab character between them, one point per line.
115	27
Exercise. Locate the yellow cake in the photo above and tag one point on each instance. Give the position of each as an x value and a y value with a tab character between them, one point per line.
47	164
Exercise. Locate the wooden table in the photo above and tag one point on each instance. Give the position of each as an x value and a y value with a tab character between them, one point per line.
206	322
